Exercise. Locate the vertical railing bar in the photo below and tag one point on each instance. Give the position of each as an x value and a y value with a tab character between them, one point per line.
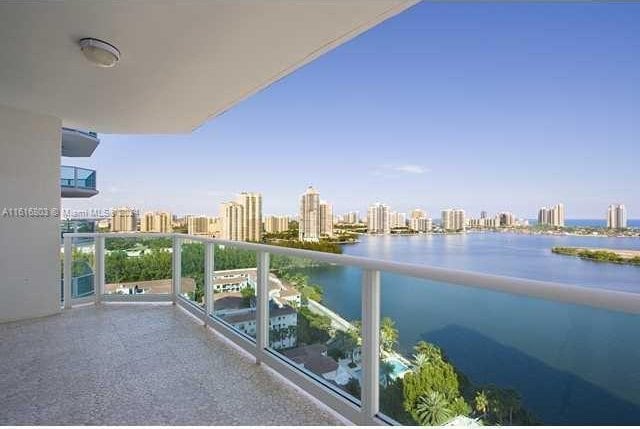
262	305
176	271
99	278
66	270
370	345
209	267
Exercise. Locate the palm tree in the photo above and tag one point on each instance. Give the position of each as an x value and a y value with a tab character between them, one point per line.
433	409
386	372
388	334
481	403
420	359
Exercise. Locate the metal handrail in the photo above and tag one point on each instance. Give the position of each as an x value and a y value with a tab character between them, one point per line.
559	292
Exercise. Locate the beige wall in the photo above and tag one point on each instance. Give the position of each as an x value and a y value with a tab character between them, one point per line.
29	246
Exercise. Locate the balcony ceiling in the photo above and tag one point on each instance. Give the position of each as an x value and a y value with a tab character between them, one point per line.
181	62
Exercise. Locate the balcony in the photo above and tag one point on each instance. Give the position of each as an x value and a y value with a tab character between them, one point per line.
76	182
78	143
113	363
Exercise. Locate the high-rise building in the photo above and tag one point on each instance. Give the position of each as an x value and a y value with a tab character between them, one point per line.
506	219
233	223
309	223
418	214
453	220
378	221
156	222
421	224
124	220
251	203
197	225
215	226
553	216
397	220
275	224
351	217
326	219
483	214
617	216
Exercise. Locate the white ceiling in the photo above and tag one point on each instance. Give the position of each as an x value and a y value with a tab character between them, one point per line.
183	61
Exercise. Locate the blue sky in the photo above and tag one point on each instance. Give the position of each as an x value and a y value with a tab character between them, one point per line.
480	106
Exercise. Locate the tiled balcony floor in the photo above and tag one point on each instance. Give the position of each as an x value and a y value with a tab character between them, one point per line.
134	365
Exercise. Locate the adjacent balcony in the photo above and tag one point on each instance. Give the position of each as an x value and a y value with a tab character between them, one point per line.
76	182
490	349
78	143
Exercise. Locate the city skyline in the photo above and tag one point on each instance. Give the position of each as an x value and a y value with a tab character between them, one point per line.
418	112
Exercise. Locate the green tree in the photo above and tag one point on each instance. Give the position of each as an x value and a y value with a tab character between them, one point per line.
481	403
248	294
433	409
388	334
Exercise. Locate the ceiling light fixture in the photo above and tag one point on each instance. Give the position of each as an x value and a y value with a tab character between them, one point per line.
99	53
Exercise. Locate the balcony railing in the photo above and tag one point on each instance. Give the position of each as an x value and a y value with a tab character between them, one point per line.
542	311
77	182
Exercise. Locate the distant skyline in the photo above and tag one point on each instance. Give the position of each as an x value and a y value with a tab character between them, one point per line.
479	106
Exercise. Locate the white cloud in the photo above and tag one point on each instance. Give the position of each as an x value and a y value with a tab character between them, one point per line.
412	169
390	171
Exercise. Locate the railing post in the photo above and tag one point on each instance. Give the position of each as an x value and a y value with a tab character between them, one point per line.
176	268
262	305
98	285
75	177
209	267
66	270
370	345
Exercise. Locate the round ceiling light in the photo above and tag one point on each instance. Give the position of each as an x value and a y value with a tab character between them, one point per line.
99	53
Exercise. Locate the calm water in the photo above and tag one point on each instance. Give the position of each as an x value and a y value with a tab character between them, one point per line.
571	364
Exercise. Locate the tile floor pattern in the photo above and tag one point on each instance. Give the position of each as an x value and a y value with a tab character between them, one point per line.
137	365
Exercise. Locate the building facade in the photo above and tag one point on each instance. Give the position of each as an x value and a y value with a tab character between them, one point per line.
421	224
617	216
233	224
275	224
124	220
197	225
156	222
251	203
453	220
309	223
326	219
552	216
378	221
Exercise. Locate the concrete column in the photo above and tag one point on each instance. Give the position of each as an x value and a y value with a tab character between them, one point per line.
29	214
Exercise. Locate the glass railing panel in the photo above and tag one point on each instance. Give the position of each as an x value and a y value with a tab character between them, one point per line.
136	265
453	354
67	176
82	268
314	320
86	178
192	271
234	288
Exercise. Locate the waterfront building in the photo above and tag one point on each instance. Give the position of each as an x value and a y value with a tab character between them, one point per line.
378	221
453	220
421	224
156	222
617	216
124	220
197	225
418	214
351	217
398	220
484	222
552	216
233	224
483	214
275	224
309	224
326	219
506	219
251	203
